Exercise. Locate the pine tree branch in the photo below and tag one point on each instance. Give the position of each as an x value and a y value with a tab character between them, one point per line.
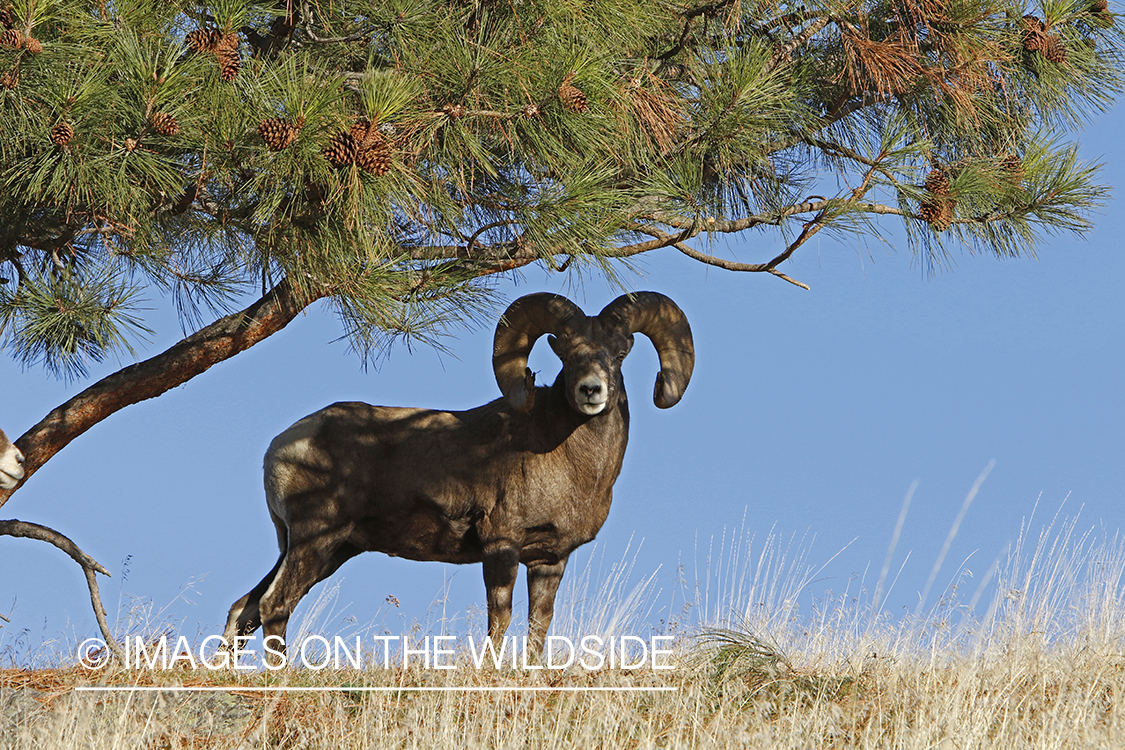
212	344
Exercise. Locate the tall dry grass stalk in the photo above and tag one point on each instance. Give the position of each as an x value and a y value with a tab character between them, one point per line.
1031	658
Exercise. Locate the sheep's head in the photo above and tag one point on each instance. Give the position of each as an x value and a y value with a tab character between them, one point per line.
592	348
11	463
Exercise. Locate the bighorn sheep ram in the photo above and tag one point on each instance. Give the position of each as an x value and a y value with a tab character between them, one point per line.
11	463
527	478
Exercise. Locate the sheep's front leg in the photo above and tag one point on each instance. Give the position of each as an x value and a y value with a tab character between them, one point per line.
501	562
542	583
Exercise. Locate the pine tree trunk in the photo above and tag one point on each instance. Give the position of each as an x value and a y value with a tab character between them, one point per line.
212	344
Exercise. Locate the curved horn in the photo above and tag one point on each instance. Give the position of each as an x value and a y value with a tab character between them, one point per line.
523	322
659	318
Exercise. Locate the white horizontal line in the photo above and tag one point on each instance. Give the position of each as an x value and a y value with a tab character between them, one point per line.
388	689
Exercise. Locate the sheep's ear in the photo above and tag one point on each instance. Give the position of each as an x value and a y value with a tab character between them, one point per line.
554	342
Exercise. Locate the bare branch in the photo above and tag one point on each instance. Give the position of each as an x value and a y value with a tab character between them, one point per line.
89	565
728	265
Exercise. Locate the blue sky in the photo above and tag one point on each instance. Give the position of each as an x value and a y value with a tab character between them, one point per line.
809	416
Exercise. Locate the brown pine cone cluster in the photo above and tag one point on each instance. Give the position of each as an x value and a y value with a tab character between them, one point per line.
222	44
571	96
226	52
13	38
937	181
937	210
1100	15
1036	39
165	124
278	133
362	145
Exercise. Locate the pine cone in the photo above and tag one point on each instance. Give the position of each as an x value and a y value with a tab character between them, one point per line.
531	110
1054	49
11	79
202	40
937	182
6	18
34	46
278	133
1034	34
1099	6
11	38
226	41
165	124
359	130
375	159
937	213
571	96
1012	164
229	64
62	133
342	149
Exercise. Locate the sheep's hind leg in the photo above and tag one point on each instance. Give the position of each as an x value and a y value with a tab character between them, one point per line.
501	563
306	564
244	617
542	583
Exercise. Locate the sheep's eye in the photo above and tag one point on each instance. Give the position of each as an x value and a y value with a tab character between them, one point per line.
621	355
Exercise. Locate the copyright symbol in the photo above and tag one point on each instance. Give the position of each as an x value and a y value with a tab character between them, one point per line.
93	654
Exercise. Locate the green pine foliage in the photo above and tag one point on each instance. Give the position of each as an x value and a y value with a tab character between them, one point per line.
503	133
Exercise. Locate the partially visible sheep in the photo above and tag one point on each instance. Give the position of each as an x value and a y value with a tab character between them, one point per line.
524	479
11	463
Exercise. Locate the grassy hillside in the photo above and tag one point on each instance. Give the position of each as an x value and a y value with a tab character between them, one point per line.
1032	659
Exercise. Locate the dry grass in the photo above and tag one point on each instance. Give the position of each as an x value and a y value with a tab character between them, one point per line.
1035	661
